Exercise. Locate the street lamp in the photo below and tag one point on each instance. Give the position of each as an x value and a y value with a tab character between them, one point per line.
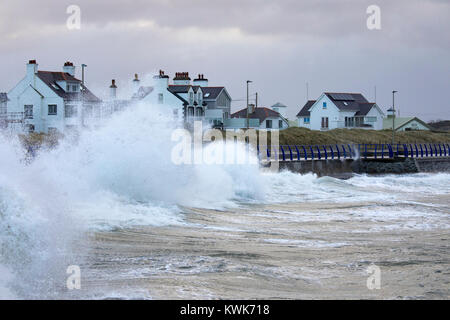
393	116
82	73
248	121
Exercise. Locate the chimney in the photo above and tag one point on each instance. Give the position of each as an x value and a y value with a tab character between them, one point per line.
161	81
182	78
201	81
113	90
251	108
136	82
69	68
32	68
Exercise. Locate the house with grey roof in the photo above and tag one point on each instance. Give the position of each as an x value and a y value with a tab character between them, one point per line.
188	100
340	110
258	118
50	101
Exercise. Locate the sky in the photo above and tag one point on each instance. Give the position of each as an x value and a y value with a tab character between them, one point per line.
280	45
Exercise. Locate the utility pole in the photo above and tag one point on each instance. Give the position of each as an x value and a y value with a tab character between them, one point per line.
393	117
248	121
82	93
256	100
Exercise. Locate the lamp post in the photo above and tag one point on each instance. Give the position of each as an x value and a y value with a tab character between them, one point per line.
82	73
248	121
393	116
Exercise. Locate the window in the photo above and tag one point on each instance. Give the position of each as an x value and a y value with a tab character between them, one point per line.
30	128
324	105
306	120
74	88
70	111
28	111
191	98
280	123
324	122
268	124
175	113
52	109
160	98
371	119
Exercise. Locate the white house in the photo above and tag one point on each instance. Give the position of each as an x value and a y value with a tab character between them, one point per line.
340	110
188	101
259	117
49	101
405	124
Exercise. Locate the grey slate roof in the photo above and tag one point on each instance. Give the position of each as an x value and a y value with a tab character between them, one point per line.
260	113
354	102
304	111
50	79
211	93
179	88
347	101
142	92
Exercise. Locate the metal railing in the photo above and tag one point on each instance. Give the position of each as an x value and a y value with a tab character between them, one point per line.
353	151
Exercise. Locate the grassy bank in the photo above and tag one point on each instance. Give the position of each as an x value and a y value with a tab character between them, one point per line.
303	136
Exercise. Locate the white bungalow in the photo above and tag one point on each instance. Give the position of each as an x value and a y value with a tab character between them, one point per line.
259	118
340	110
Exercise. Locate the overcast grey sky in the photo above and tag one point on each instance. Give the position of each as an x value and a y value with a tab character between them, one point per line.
280	45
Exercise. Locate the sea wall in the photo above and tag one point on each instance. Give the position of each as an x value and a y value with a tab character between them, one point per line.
369	166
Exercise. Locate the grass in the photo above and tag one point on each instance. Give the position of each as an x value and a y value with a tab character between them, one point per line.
304	136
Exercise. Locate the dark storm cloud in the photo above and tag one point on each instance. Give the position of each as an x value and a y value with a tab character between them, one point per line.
280	45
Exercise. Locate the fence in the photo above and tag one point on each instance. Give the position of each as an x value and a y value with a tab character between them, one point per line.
352	151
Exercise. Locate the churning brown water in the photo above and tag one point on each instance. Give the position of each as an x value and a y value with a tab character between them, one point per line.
318	248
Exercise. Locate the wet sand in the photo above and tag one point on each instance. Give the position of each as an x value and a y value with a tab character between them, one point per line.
310	250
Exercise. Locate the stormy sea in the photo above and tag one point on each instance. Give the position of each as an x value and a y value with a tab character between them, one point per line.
138	226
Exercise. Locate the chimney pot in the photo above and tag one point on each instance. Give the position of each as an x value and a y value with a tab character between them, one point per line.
32	62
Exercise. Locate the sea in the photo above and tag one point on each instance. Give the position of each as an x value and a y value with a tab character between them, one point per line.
113	205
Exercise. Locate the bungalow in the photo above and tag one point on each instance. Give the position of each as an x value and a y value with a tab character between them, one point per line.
49	101
259	117
405	123
340	110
